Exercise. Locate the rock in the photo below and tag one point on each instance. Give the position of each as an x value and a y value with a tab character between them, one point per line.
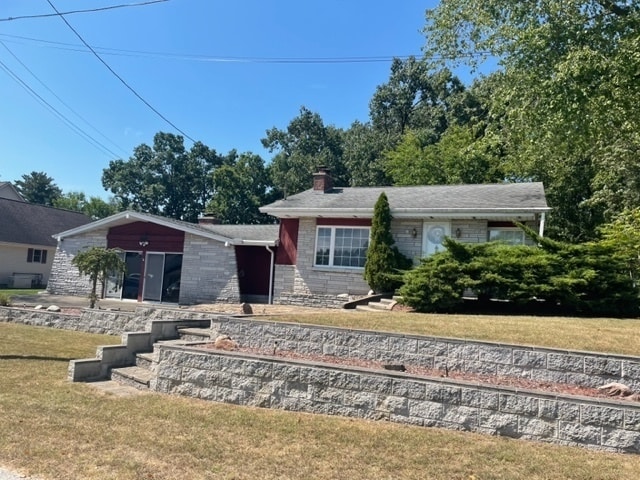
38	307
616	389
53	308
224	342
246	309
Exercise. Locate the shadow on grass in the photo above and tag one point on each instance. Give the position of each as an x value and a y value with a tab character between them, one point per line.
35	357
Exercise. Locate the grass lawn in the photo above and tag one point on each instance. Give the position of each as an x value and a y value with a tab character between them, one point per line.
60	430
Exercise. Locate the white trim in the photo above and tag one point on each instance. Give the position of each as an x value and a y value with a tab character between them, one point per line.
332	246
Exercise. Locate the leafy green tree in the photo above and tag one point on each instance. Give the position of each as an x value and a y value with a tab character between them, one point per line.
458	157
165	178
305	144
39	188
97	263
384	262
416	98
240	187
363	148
93	207
564	94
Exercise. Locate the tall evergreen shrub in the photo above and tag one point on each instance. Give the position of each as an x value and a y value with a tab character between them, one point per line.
384	265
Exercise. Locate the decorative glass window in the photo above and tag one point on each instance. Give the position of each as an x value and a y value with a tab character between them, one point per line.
35	255
342	246
511	236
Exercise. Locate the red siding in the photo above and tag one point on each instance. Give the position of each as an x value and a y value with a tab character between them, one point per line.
288	249
160	238
253	270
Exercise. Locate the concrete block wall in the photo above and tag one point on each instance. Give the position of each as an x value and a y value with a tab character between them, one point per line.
64	278
209	272
269	382
540	364
104	322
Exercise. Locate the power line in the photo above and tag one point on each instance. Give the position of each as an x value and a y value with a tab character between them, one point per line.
227	59
60	99
79	131
99	9
116	75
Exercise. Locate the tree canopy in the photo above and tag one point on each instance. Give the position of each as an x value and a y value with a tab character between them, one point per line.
164	178
39	188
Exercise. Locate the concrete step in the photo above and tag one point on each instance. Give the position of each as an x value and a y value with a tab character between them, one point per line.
189	334
137	377
145	360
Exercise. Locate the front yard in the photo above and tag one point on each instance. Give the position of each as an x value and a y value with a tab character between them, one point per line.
56	429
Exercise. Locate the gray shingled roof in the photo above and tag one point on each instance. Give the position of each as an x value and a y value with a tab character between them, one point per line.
484	198
31	224
245	232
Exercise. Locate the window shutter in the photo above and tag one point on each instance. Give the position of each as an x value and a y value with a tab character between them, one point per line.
43	258
30	255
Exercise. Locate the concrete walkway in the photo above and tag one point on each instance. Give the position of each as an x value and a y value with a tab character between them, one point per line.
10	475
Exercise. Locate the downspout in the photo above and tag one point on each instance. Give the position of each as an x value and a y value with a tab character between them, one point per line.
541	228
270	273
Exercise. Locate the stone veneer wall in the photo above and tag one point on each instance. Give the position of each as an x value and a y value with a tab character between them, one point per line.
541	364
209	272
107	322
270	382
64	278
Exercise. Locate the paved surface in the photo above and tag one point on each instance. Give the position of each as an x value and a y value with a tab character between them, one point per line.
10	475
45	299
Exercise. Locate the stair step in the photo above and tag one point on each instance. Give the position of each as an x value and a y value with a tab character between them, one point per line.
145	360
390	302
194	334
137	377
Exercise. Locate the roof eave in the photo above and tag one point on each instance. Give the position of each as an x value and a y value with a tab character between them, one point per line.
407	212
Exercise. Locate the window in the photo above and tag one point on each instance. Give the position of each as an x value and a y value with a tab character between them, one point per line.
511	236
35	255
342	246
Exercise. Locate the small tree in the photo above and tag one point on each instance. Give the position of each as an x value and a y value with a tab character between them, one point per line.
384	261
97	263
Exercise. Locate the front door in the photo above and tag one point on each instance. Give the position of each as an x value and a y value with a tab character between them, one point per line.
153	274
433	234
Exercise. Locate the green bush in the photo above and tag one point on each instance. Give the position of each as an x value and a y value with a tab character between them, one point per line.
5	299
587	279
384	264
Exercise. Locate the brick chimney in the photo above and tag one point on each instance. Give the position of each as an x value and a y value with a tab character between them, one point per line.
322	181
208	220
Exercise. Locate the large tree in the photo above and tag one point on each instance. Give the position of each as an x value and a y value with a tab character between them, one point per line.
240	186
301	148
94	207
38	187
566	94
165	178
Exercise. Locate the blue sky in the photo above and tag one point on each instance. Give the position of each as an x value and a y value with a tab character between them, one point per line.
186	75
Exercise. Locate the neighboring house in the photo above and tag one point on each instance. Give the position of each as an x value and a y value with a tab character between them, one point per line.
172	261
26	244
324	231
9	191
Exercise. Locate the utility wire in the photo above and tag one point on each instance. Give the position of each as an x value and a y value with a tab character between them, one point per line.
225	59
99	9
118	76
60	99
79	131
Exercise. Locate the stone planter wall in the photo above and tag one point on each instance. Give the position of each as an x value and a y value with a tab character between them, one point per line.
270	382
543	364
107	322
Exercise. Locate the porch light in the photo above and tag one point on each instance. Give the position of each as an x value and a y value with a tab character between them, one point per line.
458	233
414	232
144	241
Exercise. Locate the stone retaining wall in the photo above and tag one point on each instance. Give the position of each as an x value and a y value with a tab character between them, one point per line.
270	382
541	364
107	322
